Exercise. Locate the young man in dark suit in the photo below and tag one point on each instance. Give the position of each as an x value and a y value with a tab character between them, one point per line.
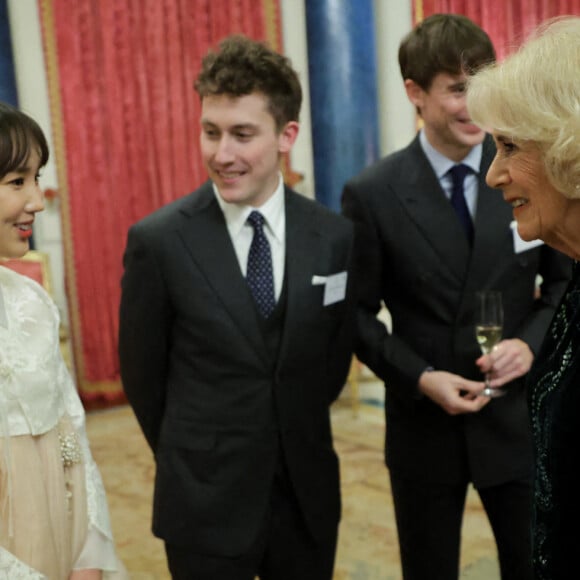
427	243
237	318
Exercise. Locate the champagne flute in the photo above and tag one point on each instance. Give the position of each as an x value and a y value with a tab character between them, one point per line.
488	330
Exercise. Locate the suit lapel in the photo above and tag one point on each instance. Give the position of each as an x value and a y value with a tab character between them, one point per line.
205	235
493	236
302	244
428	207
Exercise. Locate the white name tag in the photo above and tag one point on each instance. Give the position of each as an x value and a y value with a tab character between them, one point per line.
521	245
334	287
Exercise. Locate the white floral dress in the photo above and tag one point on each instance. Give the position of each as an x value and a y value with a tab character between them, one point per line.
53	509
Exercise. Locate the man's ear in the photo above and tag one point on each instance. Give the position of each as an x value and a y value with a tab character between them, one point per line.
415	93
288	136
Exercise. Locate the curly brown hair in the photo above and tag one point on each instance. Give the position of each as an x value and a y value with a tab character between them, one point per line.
243	66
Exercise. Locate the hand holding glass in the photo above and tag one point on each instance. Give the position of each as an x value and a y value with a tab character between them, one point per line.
488	330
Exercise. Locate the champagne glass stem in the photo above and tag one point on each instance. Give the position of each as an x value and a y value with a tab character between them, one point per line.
487	390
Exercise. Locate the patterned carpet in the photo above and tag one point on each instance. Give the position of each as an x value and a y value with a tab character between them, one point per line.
367	547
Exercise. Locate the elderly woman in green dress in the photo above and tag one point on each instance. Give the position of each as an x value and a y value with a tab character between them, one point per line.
530	103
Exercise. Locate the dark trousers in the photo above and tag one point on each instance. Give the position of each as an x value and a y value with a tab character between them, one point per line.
284	549
429	518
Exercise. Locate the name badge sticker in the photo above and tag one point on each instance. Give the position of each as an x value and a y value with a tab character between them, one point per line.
335	288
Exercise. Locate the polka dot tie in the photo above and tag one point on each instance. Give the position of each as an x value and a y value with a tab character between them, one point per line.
458	174
259	273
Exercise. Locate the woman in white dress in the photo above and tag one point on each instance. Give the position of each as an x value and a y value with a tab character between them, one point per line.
54	520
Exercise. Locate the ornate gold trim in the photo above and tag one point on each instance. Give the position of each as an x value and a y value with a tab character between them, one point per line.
272	23
101	388
418	11
58	132
273	33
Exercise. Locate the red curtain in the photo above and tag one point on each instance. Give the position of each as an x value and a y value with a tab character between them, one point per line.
506	21
126	126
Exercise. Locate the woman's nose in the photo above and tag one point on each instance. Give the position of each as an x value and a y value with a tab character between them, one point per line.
497	176
35	199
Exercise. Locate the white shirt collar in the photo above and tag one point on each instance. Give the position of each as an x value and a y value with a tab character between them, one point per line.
273	211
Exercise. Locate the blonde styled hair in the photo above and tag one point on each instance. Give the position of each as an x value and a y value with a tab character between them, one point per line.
534	96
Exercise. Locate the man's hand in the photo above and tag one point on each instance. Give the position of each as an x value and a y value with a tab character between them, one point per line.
454	394
509	360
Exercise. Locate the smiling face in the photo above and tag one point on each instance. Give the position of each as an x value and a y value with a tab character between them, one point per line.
541	211
241	146
448	126
20	199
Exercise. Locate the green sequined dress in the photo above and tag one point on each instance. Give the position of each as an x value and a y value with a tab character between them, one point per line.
555	414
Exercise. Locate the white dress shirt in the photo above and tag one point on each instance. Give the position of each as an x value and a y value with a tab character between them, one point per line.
241	232
441	166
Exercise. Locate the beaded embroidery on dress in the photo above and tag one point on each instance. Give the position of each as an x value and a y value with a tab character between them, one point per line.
12	568
554	383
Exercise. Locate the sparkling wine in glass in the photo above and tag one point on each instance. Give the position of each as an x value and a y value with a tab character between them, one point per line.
488	330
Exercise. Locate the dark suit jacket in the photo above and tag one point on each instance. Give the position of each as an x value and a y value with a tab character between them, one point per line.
413	254
217	412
